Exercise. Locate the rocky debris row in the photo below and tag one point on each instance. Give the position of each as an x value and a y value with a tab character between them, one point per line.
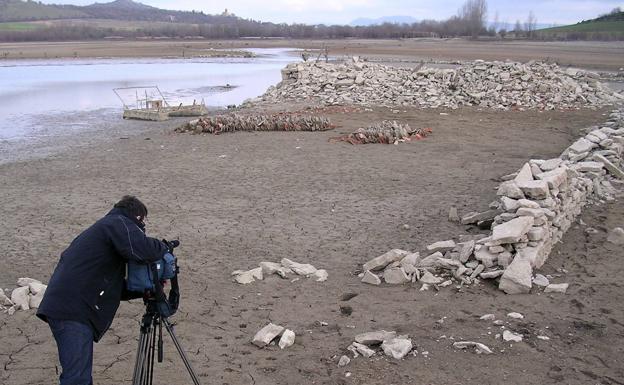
534	209
236	122
270	332
372	343
282	269
28	295
386	132
500	85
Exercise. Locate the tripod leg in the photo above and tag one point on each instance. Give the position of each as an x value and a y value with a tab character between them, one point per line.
140	358
150	361
182	354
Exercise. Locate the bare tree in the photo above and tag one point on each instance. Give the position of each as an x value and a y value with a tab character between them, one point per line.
530	24
473	14
518	28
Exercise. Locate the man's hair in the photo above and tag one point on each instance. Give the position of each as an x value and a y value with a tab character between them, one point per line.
132	205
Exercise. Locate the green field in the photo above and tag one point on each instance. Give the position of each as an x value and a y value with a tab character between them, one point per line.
19	26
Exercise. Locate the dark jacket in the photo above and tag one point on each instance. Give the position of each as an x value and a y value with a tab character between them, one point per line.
88	282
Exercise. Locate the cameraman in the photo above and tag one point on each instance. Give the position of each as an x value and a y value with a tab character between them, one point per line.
88	283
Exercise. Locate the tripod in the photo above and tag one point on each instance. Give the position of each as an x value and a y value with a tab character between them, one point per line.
151	326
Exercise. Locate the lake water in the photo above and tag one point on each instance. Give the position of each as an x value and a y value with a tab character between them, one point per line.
31	91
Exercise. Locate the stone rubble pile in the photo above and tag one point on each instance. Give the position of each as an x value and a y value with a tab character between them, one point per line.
534	209
282	269
270	332
386	132
27	296
235	122
500	85
372	343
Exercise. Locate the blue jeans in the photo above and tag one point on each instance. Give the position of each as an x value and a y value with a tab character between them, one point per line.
75	348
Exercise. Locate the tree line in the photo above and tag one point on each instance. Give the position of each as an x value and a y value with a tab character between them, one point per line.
470	21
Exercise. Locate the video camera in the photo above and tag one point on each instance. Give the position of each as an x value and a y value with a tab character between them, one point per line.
149	280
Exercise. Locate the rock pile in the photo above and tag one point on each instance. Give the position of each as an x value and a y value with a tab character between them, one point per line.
27	296
282	269
371	343
500	85
235	122
386	132
270	333
536	206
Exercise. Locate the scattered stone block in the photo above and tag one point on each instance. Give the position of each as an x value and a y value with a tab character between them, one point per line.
249	276
510	189
371	278
508	335
4	300
466	251
298	268
374	338
524	175
556	288
488	317
363	350
20	299
491	274
510	205
270	268
430	279
267	334
397	348
453	215
540	280
430	261
517	278
320	275
616	236
26	281
395	276
287	339
384	260
410	259
515	315
344	361
479	347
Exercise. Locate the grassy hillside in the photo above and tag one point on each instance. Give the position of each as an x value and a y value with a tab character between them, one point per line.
607	27
17	10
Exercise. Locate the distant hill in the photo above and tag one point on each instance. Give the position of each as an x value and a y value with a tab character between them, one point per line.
610	26
381	20
17	10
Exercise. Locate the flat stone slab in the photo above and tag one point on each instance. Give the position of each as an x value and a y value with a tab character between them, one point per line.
380	262
512	231
374	338
298	268
557	288
551	164
265	335
441	246
581	145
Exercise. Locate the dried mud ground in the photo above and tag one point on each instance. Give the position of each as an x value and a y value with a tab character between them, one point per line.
237	199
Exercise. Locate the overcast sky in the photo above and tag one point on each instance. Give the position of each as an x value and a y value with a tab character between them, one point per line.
344	11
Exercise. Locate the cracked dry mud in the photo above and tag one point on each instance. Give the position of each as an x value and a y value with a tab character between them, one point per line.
333	205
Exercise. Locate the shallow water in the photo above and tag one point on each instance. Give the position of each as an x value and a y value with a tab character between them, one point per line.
30	89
